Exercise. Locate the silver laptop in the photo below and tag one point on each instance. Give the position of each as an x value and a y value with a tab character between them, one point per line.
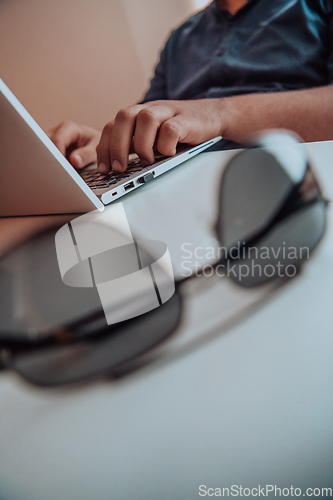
35	178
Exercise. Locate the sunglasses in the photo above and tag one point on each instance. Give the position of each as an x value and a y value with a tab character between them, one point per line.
271	216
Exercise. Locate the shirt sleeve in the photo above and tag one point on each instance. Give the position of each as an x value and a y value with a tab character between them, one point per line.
158	84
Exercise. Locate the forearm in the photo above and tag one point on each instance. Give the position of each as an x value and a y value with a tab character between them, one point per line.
162	124
309	113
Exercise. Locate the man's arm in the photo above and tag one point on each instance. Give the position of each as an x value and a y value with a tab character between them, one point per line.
162	124
309	113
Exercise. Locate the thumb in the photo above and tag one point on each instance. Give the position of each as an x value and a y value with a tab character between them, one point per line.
81	157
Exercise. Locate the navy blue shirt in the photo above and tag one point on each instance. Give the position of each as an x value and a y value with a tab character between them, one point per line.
269	45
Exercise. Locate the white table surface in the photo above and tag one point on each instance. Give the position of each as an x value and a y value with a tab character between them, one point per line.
248	405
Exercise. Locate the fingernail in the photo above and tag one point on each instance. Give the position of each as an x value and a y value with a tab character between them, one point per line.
116	165
102	168
78	160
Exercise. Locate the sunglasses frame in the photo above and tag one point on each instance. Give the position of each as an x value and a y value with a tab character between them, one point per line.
297	200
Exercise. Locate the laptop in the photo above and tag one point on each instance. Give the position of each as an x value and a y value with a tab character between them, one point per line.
35	178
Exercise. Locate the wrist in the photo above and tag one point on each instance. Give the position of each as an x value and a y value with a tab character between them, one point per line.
229	117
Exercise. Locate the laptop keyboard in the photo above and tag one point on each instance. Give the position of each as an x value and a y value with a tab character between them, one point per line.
95	180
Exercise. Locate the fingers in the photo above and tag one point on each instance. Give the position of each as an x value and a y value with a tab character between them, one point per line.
64	135
76	142
138	125
171	132
83	156
141	127
103	149
116	141
147	126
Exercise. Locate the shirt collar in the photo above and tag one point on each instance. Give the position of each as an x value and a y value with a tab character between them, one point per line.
220	12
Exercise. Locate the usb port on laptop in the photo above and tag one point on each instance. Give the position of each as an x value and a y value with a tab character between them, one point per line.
128	186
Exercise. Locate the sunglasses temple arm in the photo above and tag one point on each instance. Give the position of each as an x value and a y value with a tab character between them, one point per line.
70	328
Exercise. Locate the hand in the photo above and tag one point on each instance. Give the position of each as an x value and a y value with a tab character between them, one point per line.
76	142
157	125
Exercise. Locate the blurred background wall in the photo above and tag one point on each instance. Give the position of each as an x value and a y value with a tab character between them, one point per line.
83	60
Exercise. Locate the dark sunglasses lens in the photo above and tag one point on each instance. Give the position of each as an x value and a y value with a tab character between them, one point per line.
254	186
71	363
33	298
282	251
35	301
41	316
